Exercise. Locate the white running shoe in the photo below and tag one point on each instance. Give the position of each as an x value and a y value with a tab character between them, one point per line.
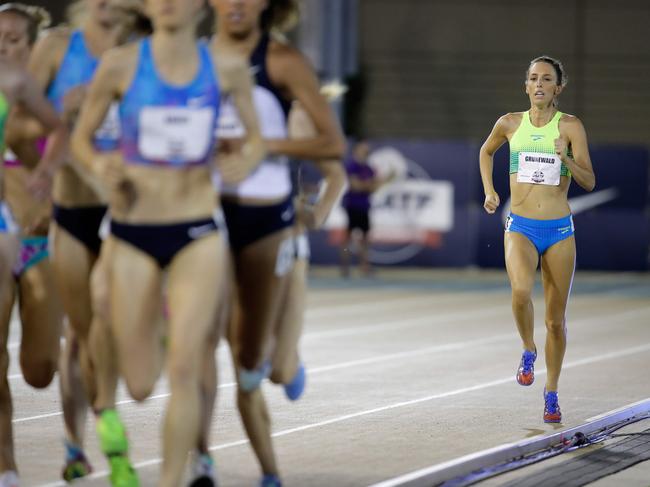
203	471
9	479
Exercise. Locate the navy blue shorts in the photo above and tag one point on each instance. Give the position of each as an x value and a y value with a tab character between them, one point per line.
82	223
163	241
249	223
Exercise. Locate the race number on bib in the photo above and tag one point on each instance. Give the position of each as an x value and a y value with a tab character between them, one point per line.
110	128
176	134
539	168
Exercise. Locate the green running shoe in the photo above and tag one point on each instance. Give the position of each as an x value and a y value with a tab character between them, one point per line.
111	433
122	473
115	445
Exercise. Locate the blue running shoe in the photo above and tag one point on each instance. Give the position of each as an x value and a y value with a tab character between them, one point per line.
249	380
296	387
76	464
552	413
270	480
526	371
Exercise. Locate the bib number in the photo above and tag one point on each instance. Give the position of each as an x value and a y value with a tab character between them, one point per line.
539	168
176	134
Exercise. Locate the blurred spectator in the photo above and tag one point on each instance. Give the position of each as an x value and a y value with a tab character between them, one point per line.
363	181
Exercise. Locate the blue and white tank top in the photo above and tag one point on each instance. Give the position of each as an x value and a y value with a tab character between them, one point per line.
77	69
165	124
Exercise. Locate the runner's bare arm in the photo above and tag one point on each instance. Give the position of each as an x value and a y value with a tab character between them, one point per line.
496	139
294	73
573	133
235	79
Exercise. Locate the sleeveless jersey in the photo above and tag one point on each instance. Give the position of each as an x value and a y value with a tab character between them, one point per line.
532	152
77	69
272	178
165	124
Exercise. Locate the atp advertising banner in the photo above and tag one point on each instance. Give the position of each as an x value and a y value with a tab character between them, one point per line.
424	217
431	214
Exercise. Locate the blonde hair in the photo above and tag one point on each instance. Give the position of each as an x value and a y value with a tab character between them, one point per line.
37	17
76	13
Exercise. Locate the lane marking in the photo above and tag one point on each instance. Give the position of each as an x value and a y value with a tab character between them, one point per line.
389	407
382	358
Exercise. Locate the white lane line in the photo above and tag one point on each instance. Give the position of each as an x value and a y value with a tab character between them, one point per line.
386	357
399	324
372	327
375	302
325	368
485	385
380	326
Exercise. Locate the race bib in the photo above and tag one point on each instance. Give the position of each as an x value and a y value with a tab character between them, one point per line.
229	125
539	168
176	134
110	128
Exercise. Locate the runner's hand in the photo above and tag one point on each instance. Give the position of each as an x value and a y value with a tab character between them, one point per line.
561	146
491	203
40	183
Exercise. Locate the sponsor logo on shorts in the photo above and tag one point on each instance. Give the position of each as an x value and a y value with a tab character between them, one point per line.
508	223
287	214
200	231
565	230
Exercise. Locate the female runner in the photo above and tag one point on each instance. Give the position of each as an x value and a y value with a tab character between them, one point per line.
547	149
259	212
18	29
64	62
162	201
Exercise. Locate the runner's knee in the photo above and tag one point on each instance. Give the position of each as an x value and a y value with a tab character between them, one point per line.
37	372
140	387
182	371
521	296
555	326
